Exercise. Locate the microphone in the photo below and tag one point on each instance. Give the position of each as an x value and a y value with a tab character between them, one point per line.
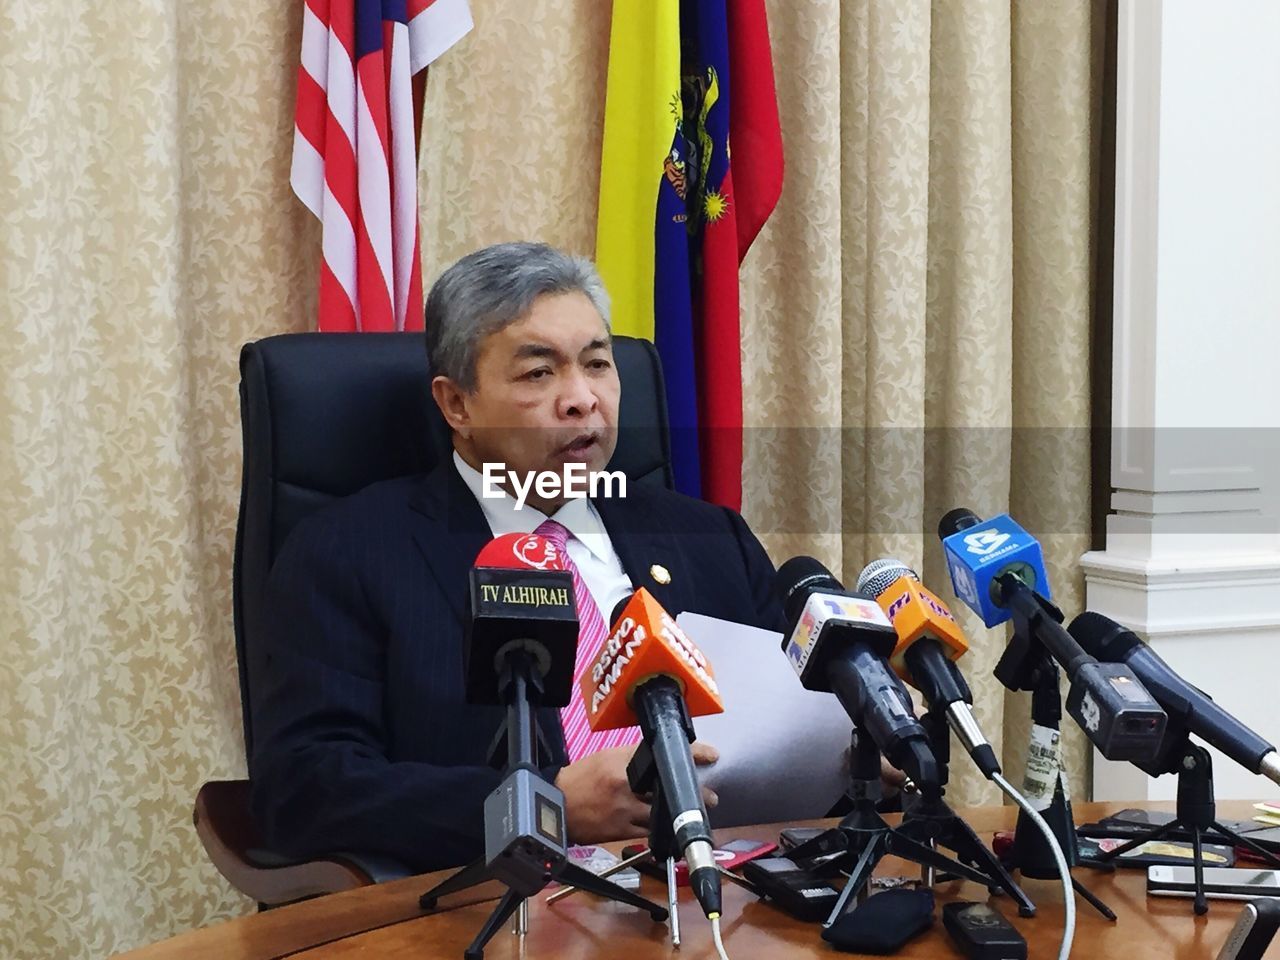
1109	641
521	600
929	643
998	566
520	551
839	642
649	672
978	558
521	642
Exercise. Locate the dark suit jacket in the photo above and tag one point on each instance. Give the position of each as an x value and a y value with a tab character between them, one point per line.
363	742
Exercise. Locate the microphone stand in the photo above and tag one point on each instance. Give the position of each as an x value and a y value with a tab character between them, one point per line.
642	776
1027	666
524	819
928	819
667	727
1196	811
863	838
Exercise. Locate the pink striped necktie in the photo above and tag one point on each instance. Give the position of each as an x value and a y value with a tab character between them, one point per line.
579	740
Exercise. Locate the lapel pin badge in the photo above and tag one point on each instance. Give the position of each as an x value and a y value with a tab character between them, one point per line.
660	574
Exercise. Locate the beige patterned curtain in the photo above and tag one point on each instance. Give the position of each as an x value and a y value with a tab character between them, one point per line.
146	232
923	287
921	299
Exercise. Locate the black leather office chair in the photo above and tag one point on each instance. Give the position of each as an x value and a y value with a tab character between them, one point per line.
324	415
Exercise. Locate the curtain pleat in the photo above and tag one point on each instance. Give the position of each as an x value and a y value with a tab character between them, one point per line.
915	336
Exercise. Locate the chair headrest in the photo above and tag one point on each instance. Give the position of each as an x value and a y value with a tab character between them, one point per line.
325	415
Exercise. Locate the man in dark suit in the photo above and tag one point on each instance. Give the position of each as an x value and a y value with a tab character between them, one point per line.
364	743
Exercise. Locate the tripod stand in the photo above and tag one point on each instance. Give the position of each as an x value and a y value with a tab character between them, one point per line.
864	838
1026	665
525	837
928	819
1196	814
642	776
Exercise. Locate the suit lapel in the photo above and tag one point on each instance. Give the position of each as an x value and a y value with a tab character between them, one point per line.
455	535
647	552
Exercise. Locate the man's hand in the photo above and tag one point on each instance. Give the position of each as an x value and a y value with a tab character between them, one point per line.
599	804
704	755
890	776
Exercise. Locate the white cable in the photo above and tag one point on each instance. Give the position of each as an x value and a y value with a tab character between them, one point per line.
715	935
1068	894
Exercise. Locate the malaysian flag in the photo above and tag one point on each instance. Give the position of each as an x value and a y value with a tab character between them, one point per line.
354	156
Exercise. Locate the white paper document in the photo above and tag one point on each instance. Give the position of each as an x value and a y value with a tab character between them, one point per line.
782	747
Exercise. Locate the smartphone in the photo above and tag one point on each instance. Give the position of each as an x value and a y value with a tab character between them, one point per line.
741	851
1133	818
1154	852
792	837
597	860
800	892
1141	818
1253	932
728	856
1222	883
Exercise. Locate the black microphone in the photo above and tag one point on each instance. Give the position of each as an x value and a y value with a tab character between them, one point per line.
649	672
929	642
993	568
521	602
520	650
839	642
1109	641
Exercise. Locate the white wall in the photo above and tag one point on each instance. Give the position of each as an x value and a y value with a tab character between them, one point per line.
1193	557
1219	211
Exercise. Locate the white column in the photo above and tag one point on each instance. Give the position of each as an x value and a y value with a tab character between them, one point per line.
1192	558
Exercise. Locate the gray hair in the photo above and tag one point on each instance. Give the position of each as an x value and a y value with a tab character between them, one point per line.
487	290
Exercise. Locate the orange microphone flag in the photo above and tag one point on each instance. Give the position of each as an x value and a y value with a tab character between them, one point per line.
645	642
915	612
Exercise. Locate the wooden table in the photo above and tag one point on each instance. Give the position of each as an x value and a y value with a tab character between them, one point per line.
384	921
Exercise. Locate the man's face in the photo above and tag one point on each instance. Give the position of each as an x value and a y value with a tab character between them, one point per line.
546	392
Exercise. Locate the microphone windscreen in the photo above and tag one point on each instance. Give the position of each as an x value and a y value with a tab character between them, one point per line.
617	611
914	610
799	577
883	923
1101	637
953	521
520	594
521	550
878	575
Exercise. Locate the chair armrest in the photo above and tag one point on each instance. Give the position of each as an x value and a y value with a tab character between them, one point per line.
378	869
230	837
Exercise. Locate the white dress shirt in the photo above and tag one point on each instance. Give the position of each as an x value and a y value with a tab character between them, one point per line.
589	545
